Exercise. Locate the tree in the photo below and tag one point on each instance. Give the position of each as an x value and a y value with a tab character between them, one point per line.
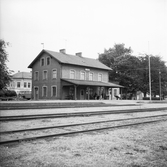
123	66
158	74
132	71
5	77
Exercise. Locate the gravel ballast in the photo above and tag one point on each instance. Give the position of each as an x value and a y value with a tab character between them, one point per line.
138	146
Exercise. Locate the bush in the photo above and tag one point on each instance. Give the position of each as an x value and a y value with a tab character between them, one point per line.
2	93
7	93
153	98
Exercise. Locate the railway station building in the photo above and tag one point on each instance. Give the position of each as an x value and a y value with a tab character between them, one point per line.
58	75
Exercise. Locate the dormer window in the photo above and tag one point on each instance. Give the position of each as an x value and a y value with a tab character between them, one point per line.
42	62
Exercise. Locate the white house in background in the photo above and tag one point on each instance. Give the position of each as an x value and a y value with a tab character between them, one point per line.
21	83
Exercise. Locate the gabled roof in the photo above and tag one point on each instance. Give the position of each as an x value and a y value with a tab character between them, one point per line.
92	83
72	59
21	75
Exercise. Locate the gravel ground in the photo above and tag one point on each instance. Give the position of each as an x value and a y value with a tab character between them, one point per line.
138	146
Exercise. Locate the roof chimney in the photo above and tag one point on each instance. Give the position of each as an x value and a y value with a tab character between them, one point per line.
62	51
79	54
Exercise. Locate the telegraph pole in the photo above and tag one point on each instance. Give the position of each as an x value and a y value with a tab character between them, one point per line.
149	67
159	84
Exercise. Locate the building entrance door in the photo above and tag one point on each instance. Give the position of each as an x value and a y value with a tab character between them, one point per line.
36	93
82	94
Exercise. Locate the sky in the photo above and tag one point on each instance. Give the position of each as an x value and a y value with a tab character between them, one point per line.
87	26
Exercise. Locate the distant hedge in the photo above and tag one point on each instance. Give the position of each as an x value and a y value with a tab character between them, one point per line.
7	93
153	98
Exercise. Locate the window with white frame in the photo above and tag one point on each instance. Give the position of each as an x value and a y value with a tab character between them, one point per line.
18	84
25	84
29	84
48	60
44	91
42	61
99	77
91	76
36	75
82	75
72	74
54	73
45	75
54	91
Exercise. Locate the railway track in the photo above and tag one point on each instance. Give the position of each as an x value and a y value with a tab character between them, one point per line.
71	129
42	105
75	114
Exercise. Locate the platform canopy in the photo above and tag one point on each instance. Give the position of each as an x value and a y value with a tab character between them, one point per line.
67	82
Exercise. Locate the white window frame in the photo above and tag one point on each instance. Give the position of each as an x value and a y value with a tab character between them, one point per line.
47	60
29	84
25	85
100	74
52	90
52	73
17	84
41	61
36	78
92	76
43	91
84	75
71	74
46	75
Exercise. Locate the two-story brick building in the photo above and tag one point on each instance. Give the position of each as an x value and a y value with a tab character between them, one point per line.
57	75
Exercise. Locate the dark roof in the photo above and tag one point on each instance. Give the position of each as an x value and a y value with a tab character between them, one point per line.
25	75
72	59
92	83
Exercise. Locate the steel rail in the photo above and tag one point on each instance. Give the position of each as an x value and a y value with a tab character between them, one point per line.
75	114
78	124
51	106
78	132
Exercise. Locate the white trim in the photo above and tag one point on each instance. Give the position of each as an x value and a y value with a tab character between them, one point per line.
74	74
52	90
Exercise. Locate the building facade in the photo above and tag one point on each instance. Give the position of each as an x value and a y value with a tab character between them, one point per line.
57	75
22	84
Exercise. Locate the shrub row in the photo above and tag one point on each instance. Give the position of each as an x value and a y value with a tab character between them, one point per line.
153	98
7	93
